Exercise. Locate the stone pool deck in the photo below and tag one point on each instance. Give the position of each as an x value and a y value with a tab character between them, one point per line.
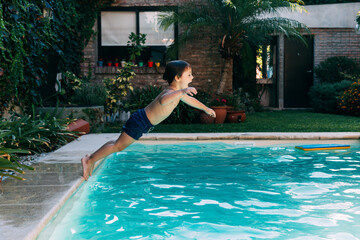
27	206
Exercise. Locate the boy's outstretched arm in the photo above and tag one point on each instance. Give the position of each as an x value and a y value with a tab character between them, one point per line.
176	95
197	104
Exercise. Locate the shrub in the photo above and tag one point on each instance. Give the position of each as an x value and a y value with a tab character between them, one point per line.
9	164
35	134
29	44
333	69
90	94
118	87
323	97
349	100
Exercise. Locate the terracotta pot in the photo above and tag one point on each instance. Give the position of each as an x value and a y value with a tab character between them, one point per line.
221	112
236	116
205	118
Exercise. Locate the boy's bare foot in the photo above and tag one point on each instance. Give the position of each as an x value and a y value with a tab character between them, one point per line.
87	167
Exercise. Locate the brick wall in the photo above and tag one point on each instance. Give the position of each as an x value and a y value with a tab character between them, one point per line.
201	53
330	42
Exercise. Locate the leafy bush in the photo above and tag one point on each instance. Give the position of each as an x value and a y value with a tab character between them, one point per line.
118	87
25	135
35	134
9	164
333	69
29	43
349	100
323	97
89	94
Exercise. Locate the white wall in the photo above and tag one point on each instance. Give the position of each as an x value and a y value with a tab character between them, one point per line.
340	15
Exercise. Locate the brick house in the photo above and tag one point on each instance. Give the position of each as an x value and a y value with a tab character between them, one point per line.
285	83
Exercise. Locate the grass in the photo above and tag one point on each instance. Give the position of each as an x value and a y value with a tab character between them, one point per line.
271	121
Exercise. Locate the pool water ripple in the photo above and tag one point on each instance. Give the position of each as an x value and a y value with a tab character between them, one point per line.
216	191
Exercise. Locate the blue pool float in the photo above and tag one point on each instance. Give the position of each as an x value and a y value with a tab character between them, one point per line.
313	147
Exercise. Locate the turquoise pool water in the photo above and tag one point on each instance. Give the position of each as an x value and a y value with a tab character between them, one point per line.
216	191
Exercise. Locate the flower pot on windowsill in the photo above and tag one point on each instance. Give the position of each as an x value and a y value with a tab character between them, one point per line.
150	63
101	63
221	112
236	116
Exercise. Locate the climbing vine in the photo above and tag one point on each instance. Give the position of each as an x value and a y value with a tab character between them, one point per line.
29	42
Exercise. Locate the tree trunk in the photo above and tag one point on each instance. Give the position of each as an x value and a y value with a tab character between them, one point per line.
224	75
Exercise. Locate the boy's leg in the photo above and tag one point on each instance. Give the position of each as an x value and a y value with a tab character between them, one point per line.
108	148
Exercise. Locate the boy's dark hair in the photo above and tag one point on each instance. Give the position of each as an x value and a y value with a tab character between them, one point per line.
175	68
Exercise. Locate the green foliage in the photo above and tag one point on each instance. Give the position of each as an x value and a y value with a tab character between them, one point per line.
232	24
118	87
9	164
35	134
203	97
24	135
183	114
136	42
324	96
349	100
29	43
89	94
334	69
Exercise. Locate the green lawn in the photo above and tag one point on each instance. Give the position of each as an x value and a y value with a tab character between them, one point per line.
274	121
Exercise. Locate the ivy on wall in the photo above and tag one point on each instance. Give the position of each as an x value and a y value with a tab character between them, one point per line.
28	41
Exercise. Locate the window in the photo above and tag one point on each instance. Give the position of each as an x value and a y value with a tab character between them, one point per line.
265	61
116	26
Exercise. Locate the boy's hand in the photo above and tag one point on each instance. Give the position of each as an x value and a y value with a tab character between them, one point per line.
210	112
190	91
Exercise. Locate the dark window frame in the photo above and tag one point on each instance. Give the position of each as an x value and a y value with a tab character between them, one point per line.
101	50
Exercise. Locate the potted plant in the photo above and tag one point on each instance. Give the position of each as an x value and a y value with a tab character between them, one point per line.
204	97
109	63
141	64
150	63
116	62
220	107
136	43
100	62
237	114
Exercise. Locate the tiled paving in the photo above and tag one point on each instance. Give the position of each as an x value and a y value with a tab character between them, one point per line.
26	206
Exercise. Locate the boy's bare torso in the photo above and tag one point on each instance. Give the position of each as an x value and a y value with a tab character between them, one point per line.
156	112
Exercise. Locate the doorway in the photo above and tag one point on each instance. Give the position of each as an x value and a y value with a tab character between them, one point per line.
298	72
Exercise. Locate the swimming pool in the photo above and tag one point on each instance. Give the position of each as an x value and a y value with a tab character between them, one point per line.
216	191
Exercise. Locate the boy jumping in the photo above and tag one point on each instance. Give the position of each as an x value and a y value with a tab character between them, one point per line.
178	74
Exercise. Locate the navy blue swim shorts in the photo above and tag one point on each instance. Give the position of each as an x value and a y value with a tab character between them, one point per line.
137	124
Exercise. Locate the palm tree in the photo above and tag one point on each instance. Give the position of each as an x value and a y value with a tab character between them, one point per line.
235	23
